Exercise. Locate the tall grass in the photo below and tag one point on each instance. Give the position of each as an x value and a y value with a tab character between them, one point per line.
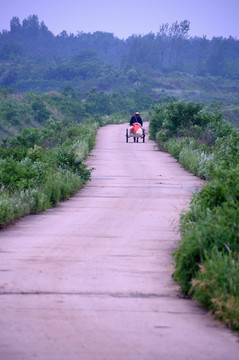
197	160
40	168
217	287
35	176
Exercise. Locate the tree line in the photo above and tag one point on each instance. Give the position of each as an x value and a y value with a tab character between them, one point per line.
31	53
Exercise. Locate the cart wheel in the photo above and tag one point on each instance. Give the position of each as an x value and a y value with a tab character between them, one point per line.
127	135
143	135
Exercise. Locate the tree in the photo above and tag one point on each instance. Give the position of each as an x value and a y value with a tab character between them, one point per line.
178	33
40	111
31	25
15	25
10	51
216	62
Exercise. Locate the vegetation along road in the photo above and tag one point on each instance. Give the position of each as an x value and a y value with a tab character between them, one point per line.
92	277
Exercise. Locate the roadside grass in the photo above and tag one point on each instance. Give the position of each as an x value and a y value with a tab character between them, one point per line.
30	201
41	168
216	287
207	259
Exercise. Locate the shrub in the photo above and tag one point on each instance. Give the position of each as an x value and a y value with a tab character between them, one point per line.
35	176
40	111
173	147
201	231
216	286
227	150
27	139
156	122
173	116
21	203
21	175
197	161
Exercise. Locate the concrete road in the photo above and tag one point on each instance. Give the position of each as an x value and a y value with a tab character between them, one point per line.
92	278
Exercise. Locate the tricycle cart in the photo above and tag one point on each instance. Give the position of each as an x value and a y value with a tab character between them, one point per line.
136	132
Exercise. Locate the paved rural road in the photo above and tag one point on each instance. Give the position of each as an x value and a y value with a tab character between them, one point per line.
91	278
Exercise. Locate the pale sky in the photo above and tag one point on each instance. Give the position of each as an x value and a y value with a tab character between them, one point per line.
127	17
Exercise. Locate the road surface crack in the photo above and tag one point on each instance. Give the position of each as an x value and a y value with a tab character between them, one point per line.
79	293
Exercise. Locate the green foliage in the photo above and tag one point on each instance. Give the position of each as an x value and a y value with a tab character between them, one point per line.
170	118
201	141
206	262
217	287
40	111
223	188
27	139
10	110
44	164
49	111
59	187
40	168
156	122
197	161
227	150
208	229
215	129
21	175
140	69
169	50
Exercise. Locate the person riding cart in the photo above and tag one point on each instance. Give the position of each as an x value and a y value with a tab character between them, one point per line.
136	118
136	130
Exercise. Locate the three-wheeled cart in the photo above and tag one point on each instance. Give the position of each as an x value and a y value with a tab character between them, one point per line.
136	132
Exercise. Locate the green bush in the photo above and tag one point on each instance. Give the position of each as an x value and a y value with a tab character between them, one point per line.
216	286
223	188
212	220
41	201
172	146
227	150
40	111
197	161
156	122
36	175
172	117
201	231
193	158
27	139
21	203
21	175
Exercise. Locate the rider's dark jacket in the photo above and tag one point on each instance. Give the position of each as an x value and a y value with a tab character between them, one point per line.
136	119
